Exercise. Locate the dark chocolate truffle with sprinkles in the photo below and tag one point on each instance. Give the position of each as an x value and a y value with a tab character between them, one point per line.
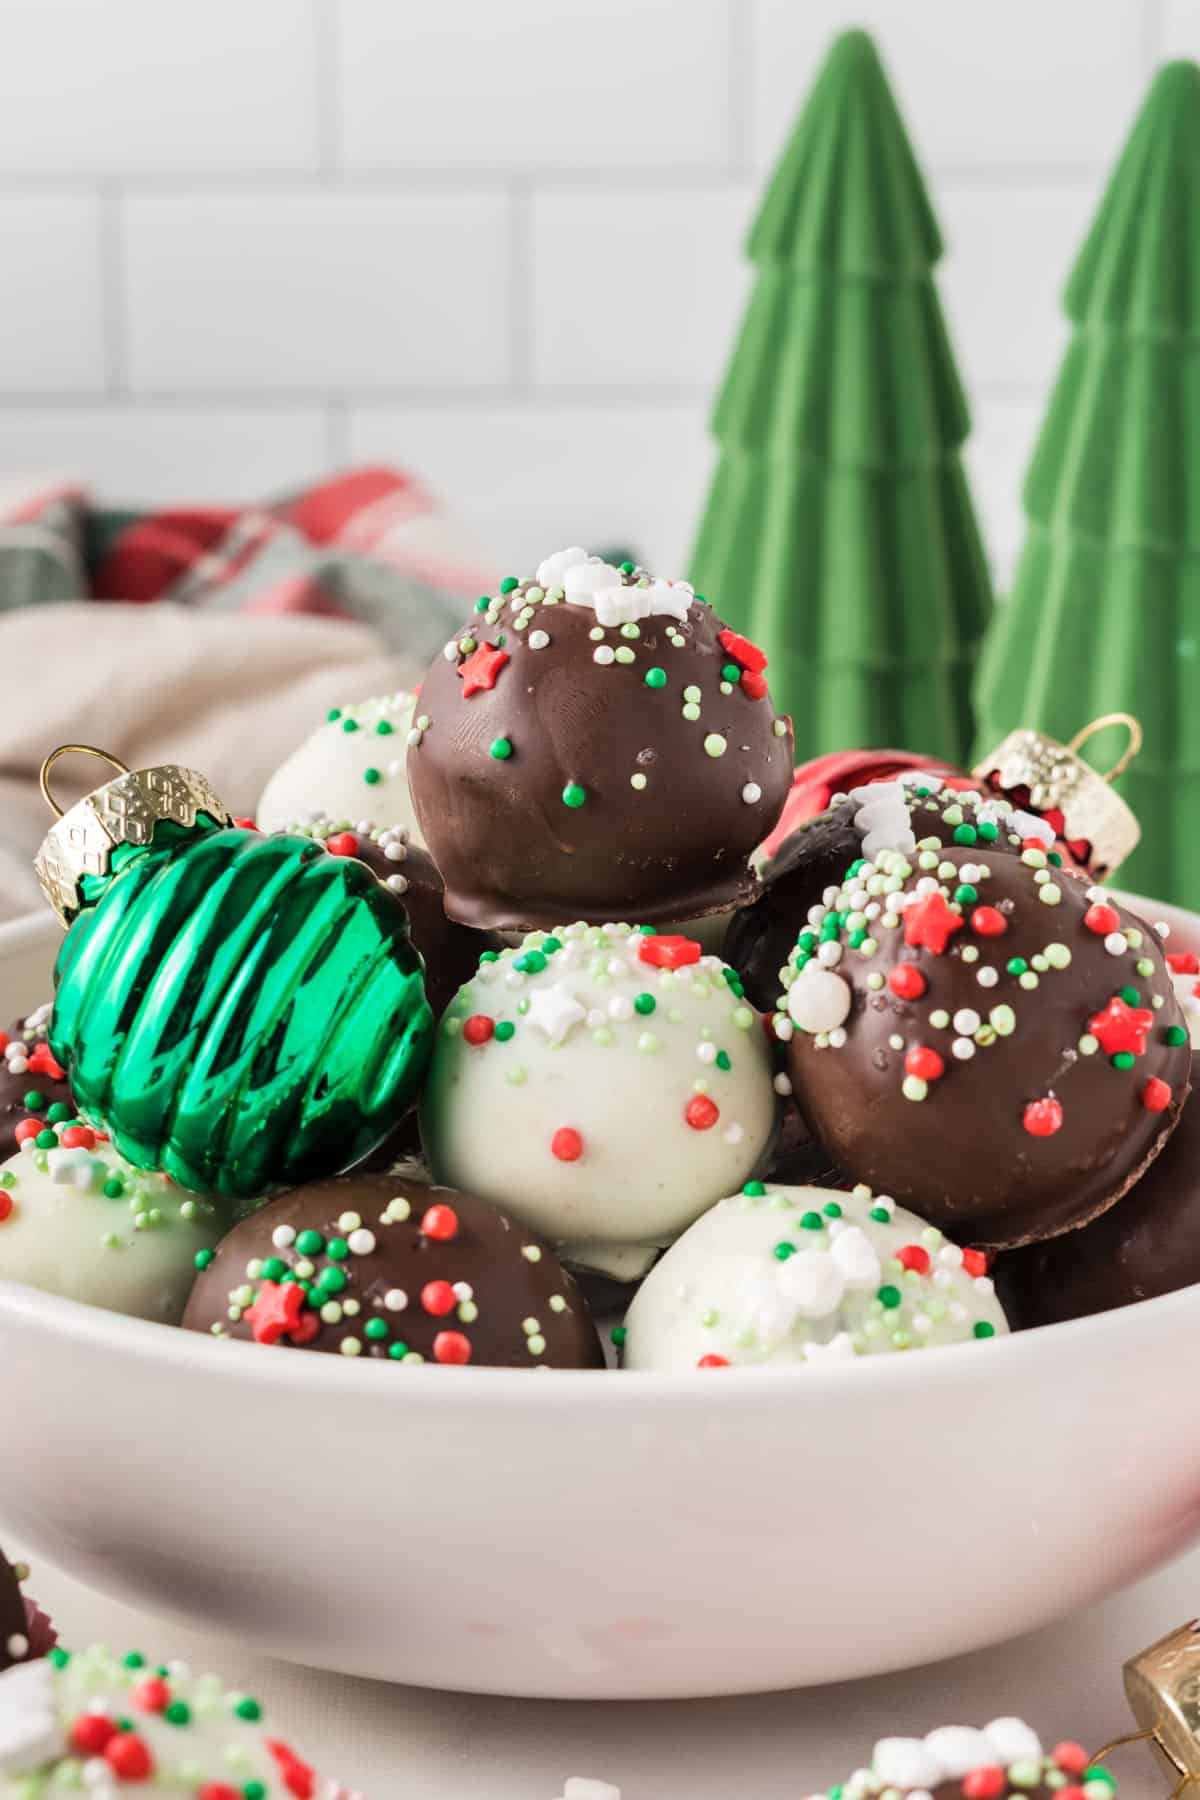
988	1039
960	1762
32	1084
596	744
1146	1245
912	812
14	1621
393	1267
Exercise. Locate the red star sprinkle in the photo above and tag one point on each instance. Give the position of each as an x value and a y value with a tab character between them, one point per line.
1121	1027
743	651
1042	1118
988	921
306	1330
1180	962
668	952
1156	1095
984	1784
41	1062
298	1778
451	1347
276	1310
929	923
906	982
218	1790
566	1144
753	685
245	824
701	1113
342	843
480	670
712	1362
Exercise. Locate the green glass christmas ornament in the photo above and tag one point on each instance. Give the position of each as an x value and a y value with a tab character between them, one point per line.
240	1011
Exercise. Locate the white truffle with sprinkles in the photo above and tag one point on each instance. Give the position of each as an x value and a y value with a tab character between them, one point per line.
601	1083
350	770
78	1221
782	1275
94	1722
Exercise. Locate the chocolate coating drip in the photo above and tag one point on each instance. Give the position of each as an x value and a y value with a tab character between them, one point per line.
559	777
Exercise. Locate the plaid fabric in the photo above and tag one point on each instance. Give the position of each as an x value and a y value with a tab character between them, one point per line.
370	545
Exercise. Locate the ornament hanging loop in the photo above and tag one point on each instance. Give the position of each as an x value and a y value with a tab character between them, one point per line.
72	750
1132	726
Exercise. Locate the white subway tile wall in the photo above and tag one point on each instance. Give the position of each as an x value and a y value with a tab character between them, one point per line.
246	241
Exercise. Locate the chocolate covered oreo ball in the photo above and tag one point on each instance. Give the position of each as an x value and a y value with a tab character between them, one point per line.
449	951
595	744
601	1083
779	1275
989	1040
913	812
398	1269
350	769
958	1762
14	1623
32	1083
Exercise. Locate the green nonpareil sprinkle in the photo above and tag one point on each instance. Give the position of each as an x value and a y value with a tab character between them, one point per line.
504	1030
573	794
889	1296
783	1251
618	1335
754	1190
501	749
372	777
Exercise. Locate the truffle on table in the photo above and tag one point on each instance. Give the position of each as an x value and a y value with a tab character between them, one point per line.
349	769
32	1082
596	744
988	1039
957	1762
391	1267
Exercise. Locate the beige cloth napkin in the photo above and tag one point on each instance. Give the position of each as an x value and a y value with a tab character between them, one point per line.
228	694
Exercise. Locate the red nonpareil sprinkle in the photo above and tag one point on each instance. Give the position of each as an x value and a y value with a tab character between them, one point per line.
218	1790
913	1257
1156	1095
90	1733
974	1262
1071	1792
753	685
478	1028
1121	1027
1102	919
1042	1118
451	1347
42	1062
988	921
478	674
78	1137
742	651
342	843
27	1128
924	1063
1180	962
668	952
4	1042
440	1222
128	1756
438	1298
245	824
907	982
298	1778
712	1361
1071	1758
276	1310
6	1206
984	1784
566	1144
306	1330
701	1113
152	1695
929	924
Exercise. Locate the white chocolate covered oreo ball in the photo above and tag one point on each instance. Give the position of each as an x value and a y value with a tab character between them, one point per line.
780	1275
603	1084
78	1221
350	770
98	1724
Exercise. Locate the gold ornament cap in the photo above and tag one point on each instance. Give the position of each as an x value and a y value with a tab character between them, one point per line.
123	811
1163	1686
1056	779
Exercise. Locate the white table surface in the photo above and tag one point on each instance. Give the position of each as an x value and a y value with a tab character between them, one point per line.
409	1744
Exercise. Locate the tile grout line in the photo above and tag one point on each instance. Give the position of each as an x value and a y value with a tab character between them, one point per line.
113	292
327	86
521	324
740	39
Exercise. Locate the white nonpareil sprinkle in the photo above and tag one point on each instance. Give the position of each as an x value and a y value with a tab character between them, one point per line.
361	1242
283	1237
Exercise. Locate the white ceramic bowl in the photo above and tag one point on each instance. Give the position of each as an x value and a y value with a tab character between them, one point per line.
589	1535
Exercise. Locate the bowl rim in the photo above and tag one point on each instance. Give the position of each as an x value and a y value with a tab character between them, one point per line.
952	1365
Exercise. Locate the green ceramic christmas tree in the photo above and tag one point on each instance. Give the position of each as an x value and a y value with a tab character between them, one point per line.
839	532
1105	610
